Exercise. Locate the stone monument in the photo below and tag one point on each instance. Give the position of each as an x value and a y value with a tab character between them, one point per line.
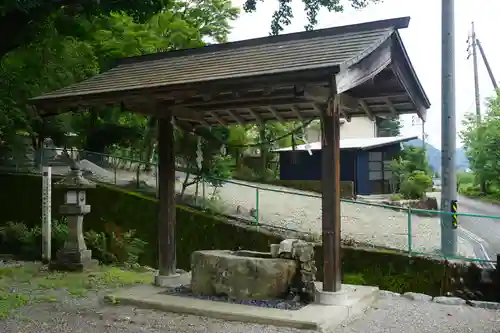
74	256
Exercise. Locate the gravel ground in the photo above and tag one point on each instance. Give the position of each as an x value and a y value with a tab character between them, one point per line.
388	315
90	315
401	315
362	223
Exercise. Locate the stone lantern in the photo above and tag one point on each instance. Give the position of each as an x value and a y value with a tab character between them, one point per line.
74	256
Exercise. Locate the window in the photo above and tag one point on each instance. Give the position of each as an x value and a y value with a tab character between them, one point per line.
379	171
374	166
375	175
375	156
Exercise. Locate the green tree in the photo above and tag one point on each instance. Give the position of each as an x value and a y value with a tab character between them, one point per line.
182	24
388	127
416	158
215	167
239	136
481	144
55	59
25	19
415	185
411	173
47	64
283	16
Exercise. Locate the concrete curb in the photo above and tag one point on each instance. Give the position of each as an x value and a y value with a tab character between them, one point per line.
312	316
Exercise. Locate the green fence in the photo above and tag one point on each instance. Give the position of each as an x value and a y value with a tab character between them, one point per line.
414	231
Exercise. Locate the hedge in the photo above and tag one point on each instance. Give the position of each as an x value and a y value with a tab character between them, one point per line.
20	200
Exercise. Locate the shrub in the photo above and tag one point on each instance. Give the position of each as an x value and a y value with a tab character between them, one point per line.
98	243
244	173
465	179
396	197
415	186
269	175
109	248
17	237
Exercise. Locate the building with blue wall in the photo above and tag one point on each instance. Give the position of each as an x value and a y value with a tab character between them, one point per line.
365	162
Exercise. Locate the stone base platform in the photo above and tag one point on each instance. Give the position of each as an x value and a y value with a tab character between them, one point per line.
84	266
314	316
180	278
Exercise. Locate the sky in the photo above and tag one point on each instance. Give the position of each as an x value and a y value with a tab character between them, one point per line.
422	40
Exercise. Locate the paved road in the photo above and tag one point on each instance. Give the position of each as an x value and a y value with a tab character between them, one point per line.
483	233
485	230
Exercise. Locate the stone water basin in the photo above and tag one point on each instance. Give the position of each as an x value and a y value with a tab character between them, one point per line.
241	275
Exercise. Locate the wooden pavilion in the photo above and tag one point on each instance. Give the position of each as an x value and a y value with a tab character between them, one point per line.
347	71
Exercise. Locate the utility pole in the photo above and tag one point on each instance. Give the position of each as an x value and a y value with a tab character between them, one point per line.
448	128
487	65
473	44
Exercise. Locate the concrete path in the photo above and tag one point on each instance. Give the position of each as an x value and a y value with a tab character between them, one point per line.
389	315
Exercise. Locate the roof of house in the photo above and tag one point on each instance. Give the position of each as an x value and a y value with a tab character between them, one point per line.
358	143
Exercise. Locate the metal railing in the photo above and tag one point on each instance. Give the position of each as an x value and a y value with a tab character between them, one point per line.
410	230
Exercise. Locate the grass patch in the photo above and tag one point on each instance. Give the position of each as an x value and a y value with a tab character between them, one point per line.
355	279
31	283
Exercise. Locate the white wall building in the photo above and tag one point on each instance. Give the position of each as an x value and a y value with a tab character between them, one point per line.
357	128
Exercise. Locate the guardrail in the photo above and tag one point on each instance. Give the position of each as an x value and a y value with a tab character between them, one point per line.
414	231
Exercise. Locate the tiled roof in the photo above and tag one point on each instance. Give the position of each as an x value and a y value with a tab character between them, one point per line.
323	48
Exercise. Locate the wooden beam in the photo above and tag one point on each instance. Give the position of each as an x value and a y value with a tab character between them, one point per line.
348	101
236	117
330	189
184	113
296	111
316	93
319	108
391	107
220	120
236	98
382	96
244	104
166	193
367	110
342	108
276	114
344	114
257	116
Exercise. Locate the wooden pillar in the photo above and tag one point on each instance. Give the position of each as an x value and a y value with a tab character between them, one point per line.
166	194
330	188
